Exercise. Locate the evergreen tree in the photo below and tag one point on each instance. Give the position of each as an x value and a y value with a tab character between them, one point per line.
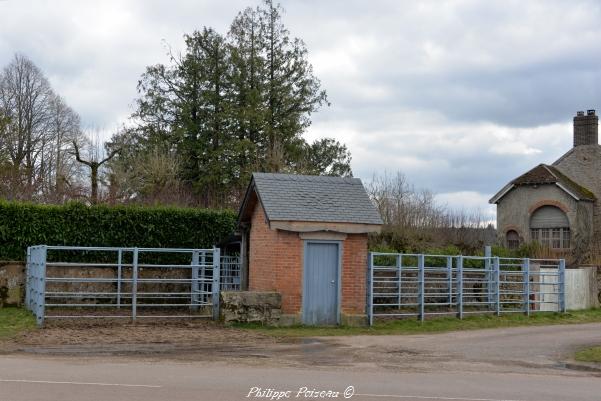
233	105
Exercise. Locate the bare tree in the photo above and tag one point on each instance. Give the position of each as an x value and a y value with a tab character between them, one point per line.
145	176
61	172
94	163
25	97
413	216
40	127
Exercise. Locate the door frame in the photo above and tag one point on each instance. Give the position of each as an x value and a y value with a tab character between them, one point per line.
339	244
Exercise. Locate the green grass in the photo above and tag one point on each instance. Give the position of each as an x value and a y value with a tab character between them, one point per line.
589	355
436	325
14	321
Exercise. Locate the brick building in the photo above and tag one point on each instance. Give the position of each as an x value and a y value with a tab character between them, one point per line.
557	205
306	238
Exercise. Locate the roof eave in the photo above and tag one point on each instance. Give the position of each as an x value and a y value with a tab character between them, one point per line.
567	191
501	193
252	187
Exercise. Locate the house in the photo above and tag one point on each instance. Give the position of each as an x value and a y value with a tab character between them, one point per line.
306	238
557	204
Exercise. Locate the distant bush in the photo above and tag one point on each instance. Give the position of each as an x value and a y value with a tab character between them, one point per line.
23	225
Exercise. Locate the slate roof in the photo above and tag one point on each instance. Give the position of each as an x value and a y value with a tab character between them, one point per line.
545	174
290	197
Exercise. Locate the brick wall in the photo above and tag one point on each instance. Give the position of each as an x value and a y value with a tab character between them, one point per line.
354	274
260	256
276	264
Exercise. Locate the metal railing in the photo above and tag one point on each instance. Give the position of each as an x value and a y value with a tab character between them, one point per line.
76	282
230	273
419	285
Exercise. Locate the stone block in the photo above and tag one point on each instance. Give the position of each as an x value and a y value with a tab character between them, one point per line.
250	307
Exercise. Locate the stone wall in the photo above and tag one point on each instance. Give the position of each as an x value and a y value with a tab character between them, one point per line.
12	283
250	307
582	164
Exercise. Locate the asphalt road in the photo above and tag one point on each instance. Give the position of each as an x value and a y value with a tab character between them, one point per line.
521	364
35	379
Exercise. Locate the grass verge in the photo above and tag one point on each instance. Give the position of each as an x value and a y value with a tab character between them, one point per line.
589	355
437	325
14	321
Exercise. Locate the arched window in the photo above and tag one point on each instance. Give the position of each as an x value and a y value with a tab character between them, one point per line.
550	227
513	239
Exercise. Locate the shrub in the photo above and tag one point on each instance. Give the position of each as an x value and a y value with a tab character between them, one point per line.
23	225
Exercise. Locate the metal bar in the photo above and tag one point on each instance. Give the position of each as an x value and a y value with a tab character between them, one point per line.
202	278
450	278
420	261
460	287
526	270
216	286
370	278
194	285
562	285
119	276
87	248
27	279
399	265
42	286
134	285
497	286
489	274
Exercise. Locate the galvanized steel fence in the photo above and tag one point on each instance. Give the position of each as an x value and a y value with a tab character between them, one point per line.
419	285
69	282
230	273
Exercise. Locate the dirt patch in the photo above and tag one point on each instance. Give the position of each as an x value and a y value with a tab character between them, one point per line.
96	335
511	350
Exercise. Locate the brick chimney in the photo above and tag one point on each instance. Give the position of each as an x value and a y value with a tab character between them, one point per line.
586	128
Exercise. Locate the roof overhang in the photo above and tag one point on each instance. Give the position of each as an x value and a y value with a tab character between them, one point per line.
251	197
567	191
501	193
509	187
314	226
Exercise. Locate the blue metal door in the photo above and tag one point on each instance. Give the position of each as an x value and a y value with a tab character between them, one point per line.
320	292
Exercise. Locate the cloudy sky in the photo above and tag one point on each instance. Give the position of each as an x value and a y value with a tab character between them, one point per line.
461	96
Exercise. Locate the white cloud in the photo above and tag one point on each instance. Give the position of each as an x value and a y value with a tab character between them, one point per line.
469	201
460	95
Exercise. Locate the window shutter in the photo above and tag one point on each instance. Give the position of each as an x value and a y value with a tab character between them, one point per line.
549	217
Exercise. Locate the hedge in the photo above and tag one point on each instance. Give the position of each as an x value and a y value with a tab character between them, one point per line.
23	225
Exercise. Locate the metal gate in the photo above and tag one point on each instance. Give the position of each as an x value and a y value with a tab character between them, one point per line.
419	285
76	282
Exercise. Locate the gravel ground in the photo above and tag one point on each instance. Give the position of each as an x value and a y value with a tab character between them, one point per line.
538	350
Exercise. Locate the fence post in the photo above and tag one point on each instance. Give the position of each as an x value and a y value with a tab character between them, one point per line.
119	276
28	279
421	284
370	288
562	285
450	279
216	277
41	293
399	272
194	286
526	273
497	273
134	285
203	283
460	287
489	276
